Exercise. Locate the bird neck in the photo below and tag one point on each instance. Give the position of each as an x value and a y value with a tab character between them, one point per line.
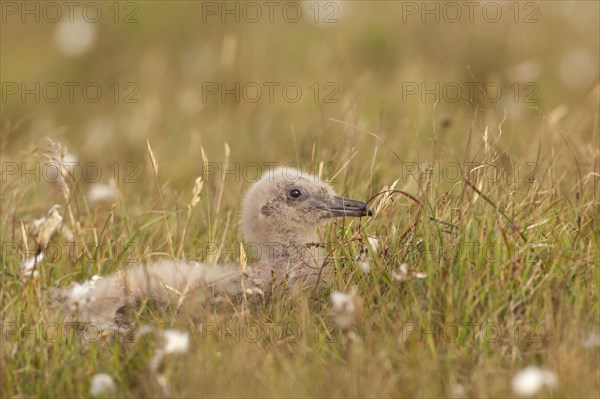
290	247
298	264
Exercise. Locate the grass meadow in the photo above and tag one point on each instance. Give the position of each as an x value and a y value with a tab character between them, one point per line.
487	116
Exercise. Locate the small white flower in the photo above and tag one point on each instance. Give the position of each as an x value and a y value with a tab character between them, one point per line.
532	379
176	341
102	384
343	309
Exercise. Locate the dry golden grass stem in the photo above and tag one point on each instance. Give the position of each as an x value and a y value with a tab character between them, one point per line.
370	133
204	164
353	153
214	258
511	222
243	264
222	186
162	202
24	237
198	184
55	156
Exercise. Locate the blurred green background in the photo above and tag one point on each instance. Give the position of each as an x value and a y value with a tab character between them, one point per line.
365	56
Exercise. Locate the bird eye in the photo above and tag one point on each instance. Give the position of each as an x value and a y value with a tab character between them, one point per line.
295	193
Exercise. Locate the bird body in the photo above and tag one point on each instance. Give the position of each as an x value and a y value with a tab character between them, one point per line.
279	215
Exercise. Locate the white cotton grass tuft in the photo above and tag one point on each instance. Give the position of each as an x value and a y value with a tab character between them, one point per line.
75	37
363	261
363	264
102	193
532	379
374	242
402	274
29	266
343	309
102	384
43	229
174	342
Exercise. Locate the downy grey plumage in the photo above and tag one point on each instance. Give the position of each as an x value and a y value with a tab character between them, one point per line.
279	215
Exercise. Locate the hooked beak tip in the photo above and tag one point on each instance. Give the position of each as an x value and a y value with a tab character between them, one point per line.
349	207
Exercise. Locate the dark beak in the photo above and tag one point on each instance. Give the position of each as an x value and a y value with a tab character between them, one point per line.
348	207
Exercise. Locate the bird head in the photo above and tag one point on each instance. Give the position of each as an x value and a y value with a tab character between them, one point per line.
286	205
